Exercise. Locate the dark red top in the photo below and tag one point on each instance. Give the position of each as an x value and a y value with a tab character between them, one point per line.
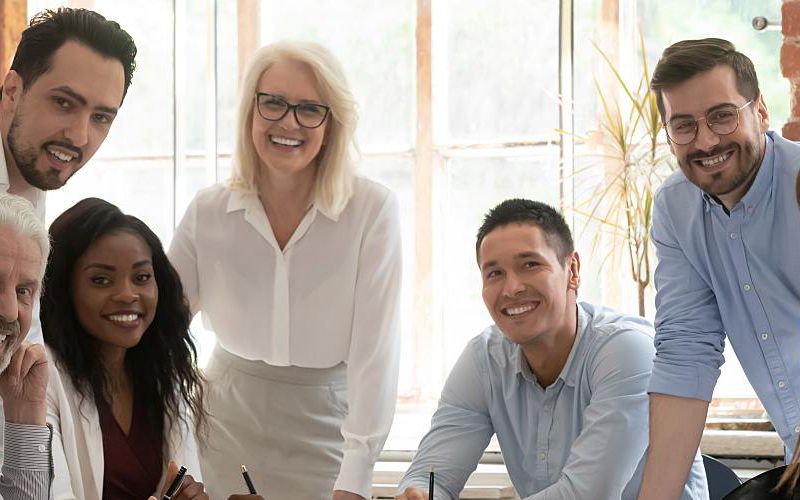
133	462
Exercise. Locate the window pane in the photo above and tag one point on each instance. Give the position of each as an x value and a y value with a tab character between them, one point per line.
473	187
374	41
140	187
668	22
496	69
398	175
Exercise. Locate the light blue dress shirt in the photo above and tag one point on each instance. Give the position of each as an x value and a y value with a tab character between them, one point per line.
581	438
736	274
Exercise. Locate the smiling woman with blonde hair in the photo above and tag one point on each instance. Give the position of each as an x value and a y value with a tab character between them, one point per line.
295	264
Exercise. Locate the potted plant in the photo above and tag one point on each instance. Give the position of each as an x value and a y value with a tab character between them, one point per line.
626	148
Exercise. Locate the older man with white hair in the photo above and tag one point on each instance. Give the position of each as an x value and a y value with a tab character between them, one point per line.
24	246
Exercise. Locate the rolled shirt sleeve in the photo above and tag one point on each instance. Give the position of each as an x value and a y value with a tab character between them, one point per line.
690	337
374	355
460	431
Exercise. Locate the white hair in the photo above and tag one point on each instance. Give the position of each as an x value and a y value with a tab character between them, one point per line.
18	214
334	180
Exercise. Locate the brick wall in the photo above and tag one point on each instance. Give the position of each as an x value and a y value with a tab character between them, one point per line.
790	63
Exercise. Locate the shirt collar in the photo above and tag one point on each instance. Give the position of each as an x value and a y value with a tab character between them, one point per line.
569	371
5	184
762	181
248	200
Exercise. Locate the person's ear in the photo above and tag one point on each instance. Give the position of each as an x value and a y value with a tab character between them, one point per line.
12	90
574	268
762	113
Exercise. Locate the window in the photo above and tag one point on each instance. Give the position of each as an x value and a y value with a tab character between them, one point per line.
460	102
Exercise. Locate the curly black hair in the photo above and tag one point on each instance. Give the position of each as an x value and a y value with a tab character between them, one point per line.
163	365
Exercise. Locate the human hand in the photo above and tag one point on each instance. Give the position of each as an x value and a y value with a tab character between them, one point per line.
23	386
412	494
189	489
346	495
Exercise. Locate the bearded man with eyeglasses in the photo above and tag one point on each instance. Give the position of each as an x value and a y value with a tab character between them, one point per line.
727	231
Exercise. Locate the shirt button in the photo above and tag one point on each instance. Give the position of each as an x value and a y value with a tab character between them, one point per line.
781	384
733	236
542	456
764	336
42	448
747	287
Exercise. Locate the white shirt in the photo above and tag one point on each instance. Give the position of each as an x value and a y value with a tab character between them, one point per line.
331	295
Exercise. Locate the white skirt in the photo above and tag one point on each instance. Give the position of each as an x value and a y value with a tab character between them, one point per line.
283	423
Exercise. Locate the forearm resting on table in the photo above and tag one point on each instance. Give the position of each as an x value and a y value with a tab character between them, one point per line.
676	426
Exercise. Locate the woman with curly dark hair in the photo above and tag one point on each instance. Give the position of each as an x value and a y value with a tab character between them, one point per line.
125	393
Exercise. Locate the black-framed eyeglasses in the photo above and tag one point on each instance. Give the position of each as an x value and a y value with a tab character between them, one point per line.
274	108
722	120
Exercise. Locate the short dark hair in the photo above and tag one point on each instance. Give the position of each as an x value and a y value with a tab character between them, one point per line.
50	29
535	213
163	365
685	59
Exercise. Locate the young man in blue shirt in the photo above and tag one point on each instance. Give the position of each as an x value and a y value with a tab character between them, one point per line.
562	384
727	232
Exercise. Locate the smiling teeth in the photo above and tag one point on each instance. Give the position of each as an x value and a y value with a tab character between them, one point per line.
123	317
60	155
285	141
513	311
710	162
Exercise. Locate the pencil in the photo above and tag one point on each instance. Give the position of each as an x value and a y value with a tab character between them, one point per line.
430	485
247	480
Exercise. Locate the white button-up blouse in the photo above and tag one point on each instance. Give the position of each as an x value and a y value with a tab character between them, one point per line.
331	295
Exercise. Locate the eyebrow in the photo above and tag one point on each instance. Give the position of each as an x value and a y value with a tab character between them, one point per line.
301	101
82	100
106	267
709	110
32	283
519	256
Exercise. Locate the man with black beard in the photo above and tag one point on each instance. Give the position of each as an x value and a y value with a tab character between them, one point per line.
68	78
727	232
27	469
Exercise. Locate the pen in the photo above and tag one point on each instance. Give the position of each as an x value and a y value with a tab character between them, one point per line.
430	485
248	481
176	483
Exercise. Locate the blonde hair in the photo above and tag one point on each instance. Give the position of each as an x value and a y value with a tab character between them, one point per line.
18	214
334	177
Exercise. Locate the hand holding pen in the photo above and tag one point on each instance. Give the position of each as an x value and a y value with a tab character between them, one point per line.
418	494
252	489
181	486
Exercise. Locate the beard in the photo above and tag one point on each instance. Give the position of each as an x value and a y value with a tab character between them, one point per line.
748	160
25	157
11	329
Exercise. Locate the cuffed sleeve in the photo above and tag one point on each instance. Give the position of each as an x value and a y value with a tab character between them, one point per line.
374	355
690	337
460	431
28	463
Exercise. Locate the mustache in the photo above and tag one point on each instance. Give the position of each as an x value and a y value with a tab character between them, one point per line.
11	327
66	145
700	155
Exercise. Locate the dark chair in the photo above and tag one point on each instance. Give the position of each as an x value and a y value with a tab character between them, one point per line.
762	487
721	479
